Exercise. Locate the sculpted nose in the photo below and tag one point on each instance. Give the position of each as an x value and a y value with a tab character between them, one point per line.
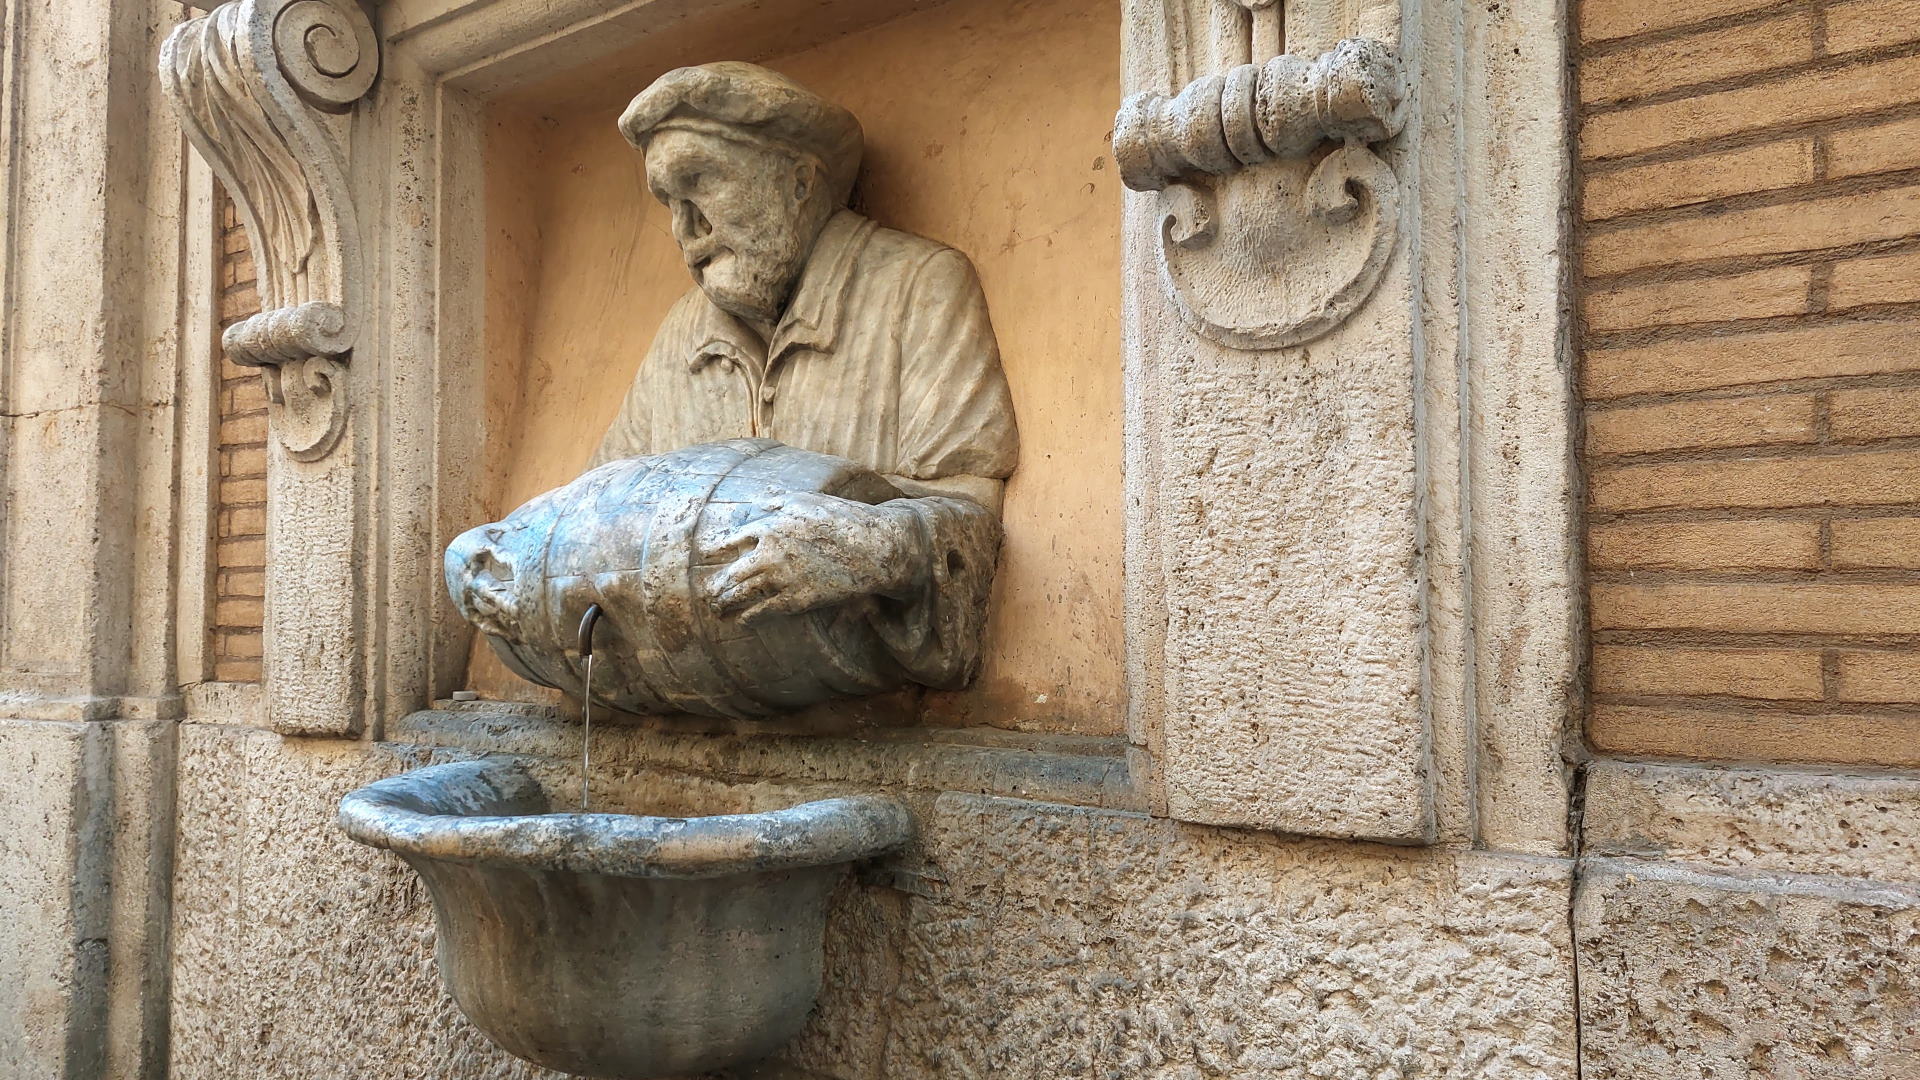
689	222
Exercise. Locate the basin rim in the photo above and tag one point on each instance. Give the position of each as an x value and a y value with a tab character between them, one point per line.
493	812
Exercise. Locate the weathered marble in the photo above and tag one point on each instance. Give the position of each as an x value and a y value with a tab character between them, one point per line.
1261	246
742	576
807	322
568	229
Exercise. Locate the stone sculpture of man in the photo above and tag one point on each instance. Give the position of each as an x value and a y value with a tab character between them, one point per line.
739	577
811	325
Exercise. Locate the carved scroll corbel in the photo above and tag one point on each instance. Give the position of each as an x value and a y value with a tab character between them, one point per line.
1266	242
261	87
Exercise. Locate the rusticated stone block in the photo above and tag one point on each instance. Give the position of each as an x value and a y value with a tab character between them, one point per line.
1053	941
1756	818
1706	976
295	950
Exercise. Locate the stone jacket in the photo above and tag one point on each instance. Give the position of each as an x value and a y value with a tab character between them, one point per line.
884	356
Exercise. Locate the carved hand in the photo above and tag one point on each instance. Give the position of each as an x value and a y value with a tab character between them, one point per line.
812	551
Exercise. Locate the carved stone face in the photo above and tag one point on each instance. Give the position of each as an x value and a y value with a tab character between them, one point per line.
481	573
745	215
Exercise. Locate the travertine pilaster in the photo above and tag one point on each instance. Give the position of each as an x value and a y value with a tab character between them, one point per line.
93	201
1274	561
1350	572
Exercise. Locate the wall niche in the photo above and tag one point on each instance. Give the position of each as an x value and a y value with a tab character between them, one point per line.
987	126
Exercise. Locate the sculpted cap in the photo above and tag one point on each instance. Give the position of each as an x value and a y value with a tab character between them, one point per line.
740	100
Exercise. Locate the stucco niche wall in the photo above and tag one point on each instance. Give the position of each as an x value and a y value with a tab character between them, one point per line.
987	125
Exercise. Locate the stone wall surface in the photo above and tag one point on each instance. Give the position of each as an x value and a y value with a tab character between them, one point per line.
85	842
1865	827
91	265
1034	941
1276	614
1712	976
295	948
1746	314
42	799
177	901
1070	942
1024	939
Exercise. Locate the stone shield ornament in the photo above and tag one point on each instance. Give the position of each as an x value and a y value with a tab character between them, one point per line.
1268	238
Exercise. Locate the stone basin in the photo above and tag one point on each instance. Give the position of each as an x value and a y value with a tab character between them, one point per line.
617	945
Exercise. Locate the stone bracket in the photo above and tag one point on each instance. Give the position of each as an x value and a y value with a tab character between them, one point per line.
1264	243
259	86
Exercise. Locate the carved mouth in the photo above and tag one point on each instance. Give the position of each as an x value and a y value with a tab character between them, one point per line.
700	258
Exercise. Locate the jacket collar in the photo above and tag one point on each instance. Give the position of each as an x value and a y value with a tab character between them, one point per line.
813	316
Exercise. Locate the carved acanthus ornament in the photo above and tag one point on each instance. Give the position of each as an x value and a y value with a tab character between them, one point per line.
1265	240
262	87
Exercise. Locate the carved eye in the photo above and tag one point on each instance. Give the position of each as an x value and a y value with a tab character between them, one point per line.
485	565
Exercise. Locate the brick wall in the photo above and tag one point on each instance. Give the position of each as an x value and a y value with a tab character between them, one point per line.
1750	247
240	498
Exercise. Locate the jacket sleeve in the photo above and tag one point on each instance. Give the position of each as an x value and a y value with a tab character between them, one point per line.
956	416
936	634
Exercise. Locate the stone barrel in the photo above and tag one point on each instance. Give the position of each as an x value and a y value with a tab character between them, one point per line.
631	536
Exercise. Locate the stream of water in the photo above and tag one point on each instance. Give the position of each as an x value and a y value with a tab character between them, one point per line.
586	733
588	622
